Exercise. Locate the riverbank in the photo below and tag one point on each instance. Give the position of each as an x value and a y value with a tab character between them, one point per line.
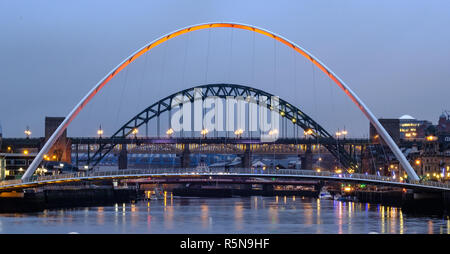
65	198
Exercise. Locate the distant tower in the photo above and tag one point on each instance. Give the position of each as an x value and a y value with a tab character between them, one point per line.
444	122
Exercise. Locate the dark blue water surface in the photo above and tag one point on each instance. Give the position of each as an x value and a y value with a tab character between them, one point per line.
227	215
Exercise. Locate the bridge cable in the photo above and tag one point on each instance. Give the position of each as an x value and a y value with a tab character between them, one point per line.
229	76
373	159
162	84
206	79
183	78
274	89
124	83
138	105
335	119
315	109
89	120
108	96
231	57
385	155
295	114
207	56
250	111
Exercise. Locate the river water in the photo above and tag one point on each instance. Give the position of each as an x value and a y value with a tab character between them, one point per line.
256	214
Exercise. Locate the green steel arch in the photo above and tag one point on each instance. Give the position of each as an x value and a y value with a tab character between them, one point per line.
287	110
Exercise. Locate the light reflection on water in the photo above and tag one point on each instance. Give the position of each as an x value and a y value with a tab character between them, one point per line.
229	215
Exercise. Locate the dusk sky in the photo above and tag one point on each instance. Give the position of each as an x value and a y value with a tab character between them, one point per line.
394	54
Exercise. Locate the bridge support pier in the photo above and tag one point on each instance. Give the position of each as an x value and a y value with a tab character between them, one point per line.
268	190
318	186
123	157
246	159
307	158
185	157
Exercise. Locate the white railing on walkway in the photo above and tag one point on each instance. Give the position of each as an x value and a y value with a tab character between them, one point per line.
221	171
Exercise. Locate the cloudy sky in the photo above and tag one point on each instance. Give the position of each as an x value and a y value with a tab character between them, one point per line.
394	54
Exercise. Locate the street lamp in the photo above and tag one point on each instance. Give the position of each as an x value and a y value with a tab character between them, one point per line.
100	132
238	132
338	134
27	132
431	138
135	131
308	132
169	132
344	132
204	132
273	132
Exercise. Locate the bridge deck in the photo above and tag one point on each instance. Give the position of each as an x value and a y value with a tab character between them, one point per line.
243	172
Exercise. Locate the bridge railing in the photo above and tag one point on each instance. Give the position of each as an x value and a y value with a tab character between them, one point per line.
216	171
10	182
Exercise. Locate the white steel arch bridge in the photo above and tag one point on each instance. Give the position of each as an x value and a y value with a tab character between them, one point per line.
96	89
176	175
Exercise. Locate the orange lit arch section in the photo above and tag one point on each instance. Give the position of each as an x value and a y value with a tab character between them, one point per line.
399	155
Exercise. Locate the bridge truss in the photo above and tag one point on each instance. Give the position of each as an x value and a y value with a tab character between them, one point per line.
223	91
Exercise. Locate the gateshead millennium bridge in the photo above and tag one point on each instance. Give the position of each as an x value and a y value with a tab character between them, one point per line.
286	110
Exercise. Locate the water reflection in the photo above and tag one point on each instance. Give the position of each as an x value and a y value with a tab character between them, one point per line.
100	216
134	214
340	216
165	198
308	213
448	225
204	215
232	215
168	217
350	212
124	219
401	221
318	211
255	203
273	215
149	221
238	215
318	221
